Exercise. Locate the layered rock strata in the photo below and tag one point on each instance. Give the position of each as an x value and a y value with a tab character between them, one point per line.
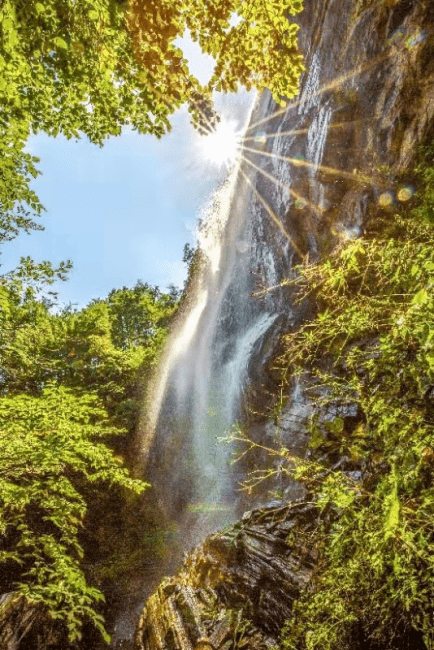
237	589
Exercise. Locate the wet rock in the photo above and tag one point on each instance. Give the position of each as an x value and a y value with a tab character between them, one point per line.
237	588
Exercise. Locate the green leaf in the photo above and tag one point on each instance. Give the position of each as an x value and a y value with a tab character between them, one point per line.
392	518
336	426
343	499
60	42
420	298
7	24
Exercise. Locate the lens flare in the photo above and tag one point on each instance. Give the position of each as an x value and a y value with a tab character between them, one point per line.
405	193
385	199
260	137
221	146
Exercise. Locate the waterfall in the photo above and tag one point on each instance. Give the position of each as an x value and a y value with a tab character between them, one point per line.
224	336
226	331
196	393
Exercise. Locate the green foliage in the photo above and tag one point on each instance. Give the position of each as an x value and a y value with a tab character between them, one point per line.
68	383
102	346
425	173
94	66
52	447
136	314
260	51
193	259
372	346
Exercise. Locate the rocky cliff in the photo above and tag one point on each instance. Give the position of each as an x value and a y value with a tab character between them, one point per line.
326	165
237	589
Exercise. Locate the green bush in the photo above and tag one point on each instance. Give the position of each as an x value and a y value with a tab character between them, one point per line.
372	345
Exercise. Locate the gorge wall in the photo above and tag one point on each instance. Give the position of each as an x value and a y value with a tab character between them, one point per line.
311	175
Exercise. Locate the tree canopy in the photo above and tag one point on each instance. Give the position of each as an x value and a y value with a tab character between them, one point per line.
51	452
92	67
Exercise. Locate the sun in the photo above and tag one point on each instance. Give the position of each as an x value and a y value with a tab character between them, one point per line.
222	145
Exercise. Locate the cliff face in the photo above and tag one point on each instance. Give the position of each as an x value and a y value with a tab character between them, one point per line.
330	162
324	166
366	101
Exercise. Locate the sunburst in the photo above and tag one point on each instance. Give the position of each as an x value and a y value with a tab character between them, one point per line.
268	136
355	176
273	216
315	208
222	144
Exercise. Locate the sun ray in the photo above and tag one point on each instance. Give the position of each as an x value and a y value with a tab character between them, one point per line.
267	136
162	99
360	69
317	209
360	178
273	216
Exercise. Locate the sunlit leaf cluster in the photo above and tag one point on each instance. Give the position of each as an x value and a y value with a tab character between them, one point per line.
51	447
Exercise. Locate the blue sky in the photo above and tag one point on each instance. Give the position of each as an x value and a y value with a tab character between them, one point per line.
125	211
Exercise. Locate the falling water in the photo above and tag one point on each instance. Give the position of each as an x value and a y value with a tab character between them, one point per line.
224	336
196	394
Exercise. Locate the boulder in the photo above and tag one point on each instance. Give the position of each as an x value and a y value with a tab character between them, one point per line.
237	588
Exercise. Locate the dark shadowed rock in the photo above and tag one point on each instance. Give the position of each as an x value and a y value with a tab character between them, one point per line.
28	627
239	582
